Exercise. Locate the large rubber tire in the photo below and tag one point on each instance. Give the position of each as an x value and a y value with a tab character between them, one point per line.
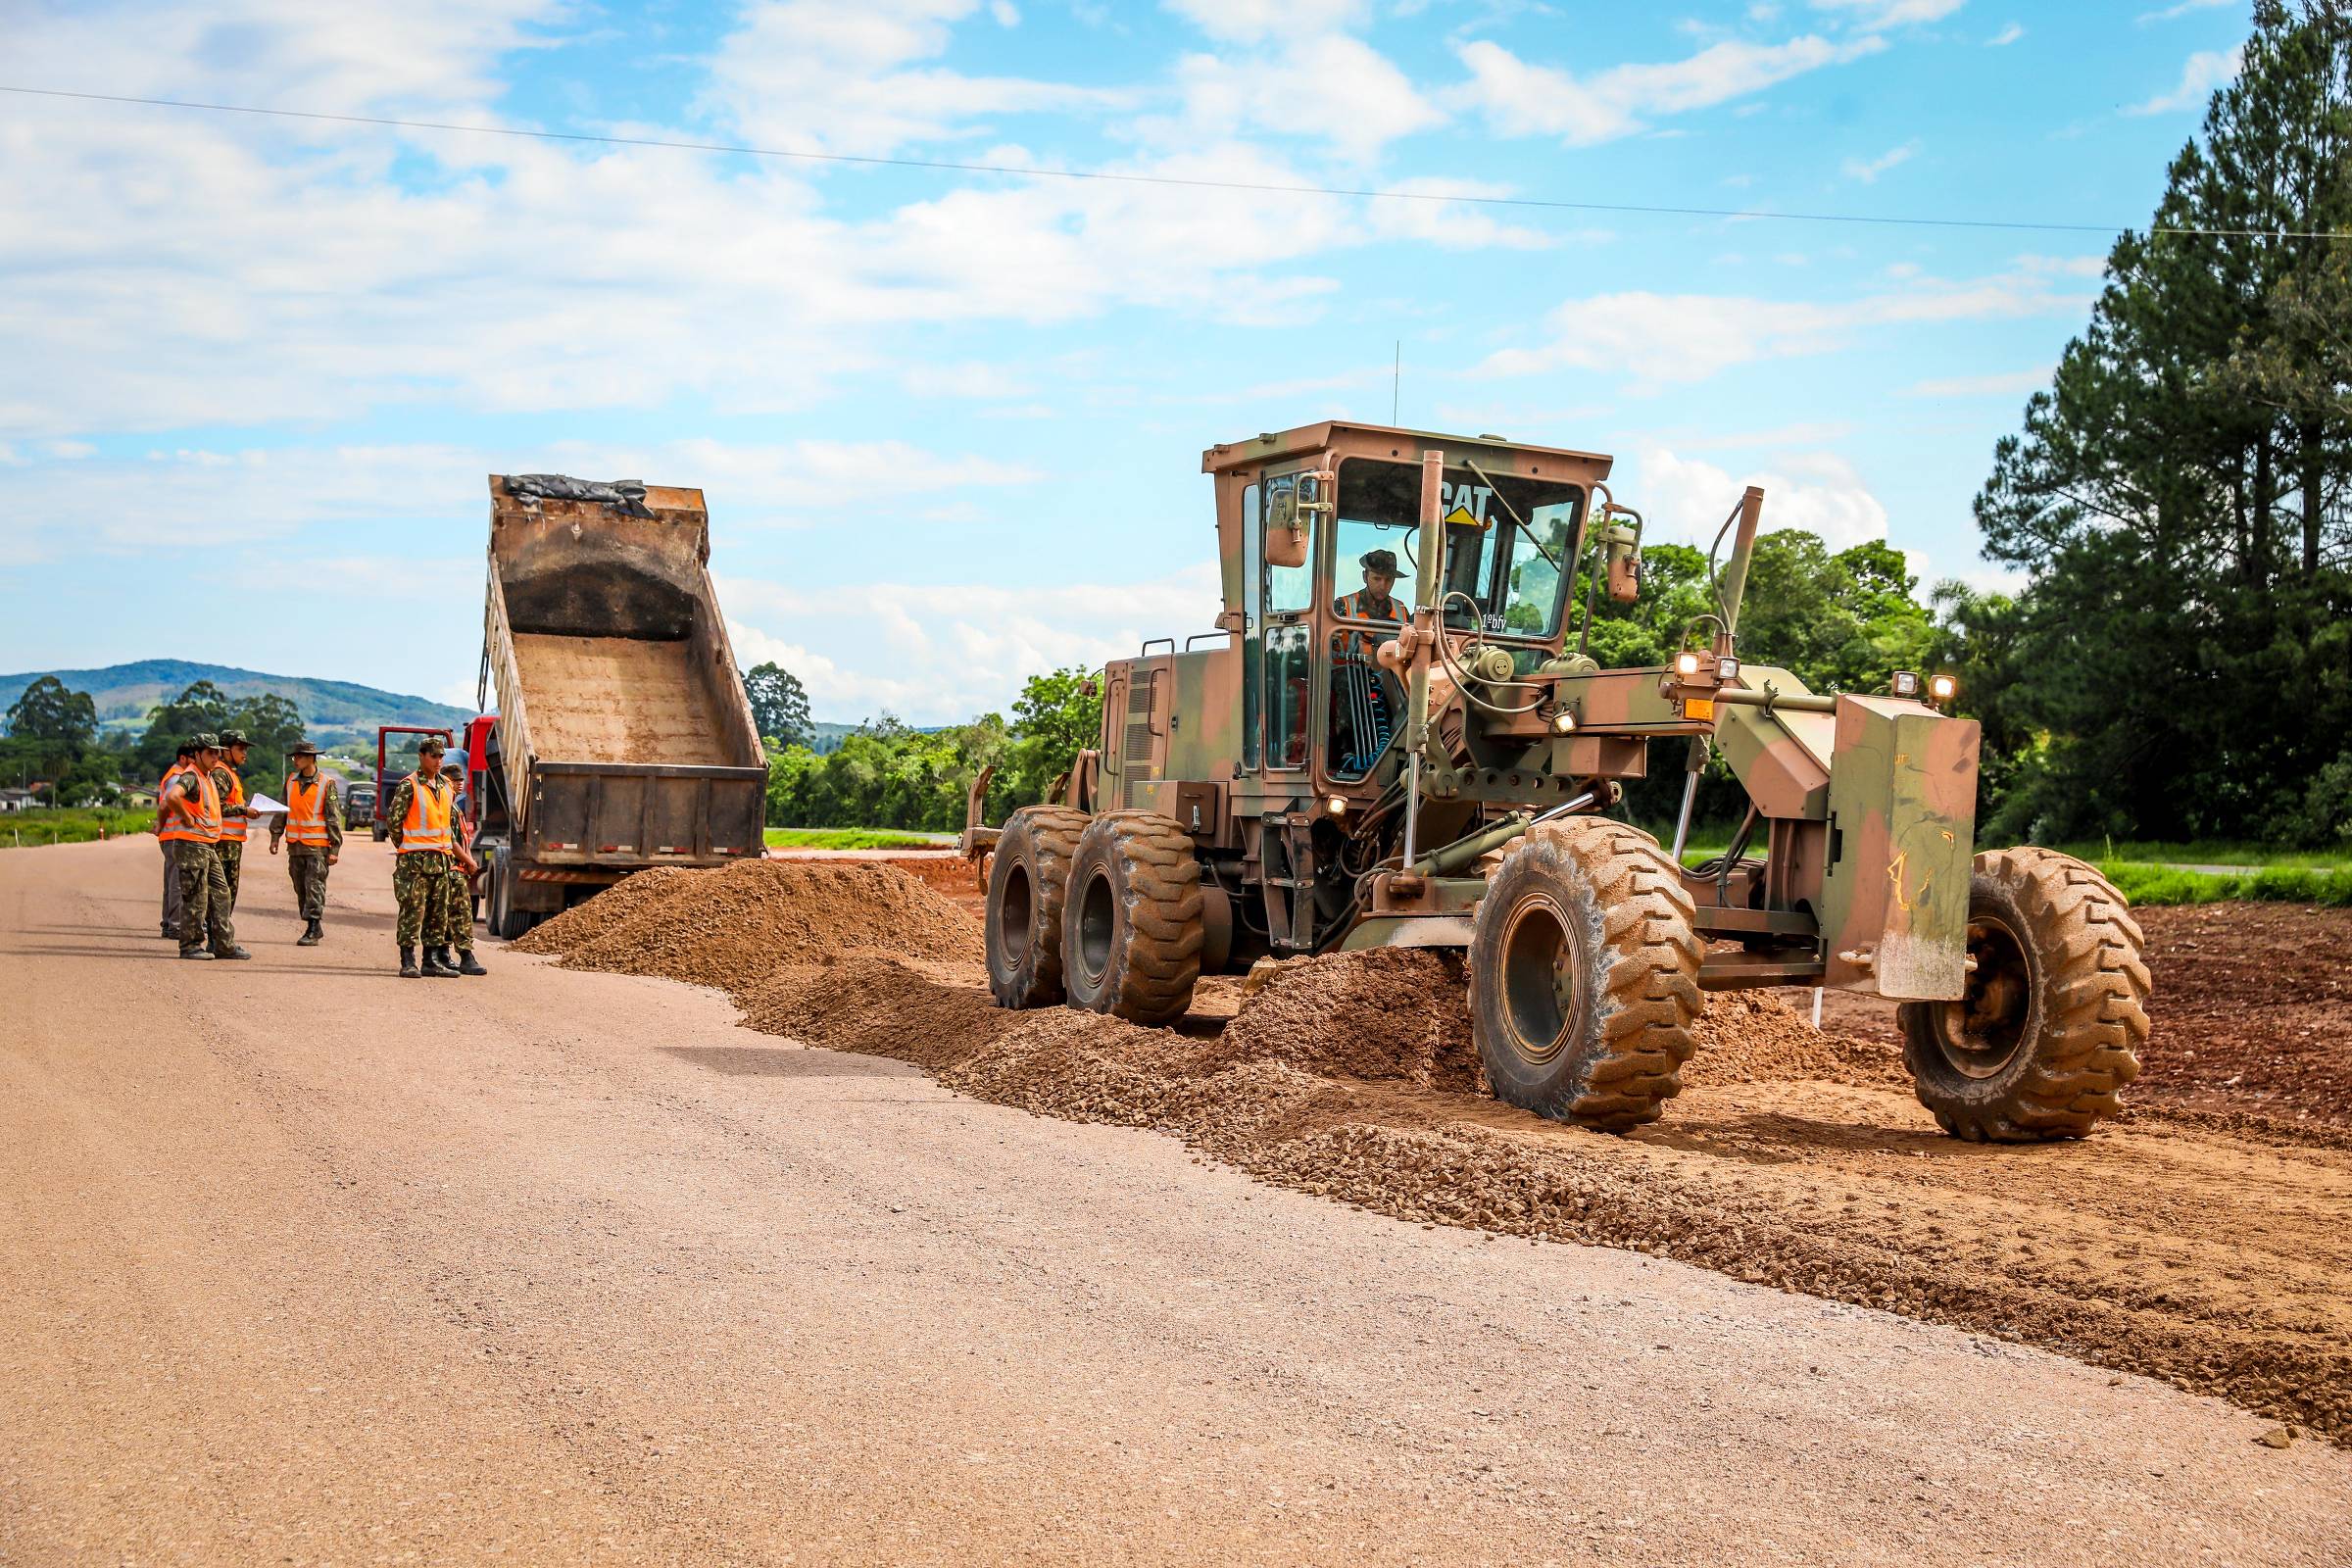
506	923
1584	975
2056	1011
1132	931
1027	882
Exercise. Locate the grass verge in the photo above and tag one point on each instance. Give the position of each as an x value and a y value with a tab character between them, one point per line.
853	838
71	824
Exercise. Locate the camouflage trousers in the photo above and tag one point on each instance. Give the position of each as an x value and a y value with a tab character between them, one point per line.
231	854
308	869
457	916
204	910
421	882
171	886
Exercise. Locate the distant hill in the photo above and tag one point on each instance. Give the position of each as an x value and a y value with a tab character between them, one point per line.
331	710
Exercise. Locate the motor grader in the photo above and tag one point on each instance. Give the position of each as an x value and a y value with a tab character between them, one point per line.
1339	768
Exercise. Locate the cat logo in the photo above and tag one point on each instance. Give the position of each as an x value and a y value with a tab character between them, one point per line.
1468	504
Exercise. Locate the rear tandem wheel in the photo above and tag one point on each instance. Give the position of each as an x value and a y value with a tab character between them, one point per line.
1027	876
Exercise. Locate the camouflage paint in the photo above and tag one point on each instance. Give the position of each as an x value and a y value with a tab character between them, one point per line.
1893	904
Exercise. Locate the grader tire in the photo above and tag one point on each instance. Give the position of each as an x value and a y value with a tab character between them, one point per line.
1028	878
1584	975
1132	928
2056	1011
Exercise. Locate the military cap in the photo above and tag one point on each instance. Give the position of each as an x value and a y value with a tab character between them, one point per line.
234	737
432	745
206	741
301	749
1379	560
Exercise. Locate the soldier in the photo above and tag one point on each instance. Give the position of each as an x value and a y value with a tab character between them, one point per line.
314	824
418	817
234	813
1373	601
168	833
456	922
194	801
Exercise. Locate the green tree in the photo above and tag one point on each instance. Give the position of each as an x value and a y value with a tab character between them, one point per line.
202	707
50	712
1057	716
271	723
2184	650
779	704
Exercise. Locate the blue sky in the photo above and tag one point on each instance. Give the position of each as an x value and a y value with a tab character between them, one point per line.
257	367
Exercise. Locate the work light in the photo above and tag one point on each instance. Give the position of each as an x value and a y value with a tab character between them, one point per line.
1943	687
1685	664
1907	683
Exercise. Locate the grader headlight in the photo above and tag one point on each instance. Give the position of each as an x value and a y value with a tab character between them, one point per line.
1563	722
1907	683
1944	688
1688	662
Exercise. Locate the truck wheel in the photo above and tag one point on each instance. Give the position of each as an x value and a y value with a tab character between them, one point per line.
1132	930
1584	975
506	921
2056	1011
1030	872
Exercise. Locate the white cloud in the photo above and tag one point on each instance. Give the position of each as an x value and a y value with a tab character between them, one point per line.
1452	225
1686	499
1877	15
940	652
1519	99
1867	170
1666	338
2010	384
2005	37
848	76
2183	9
2204	71
1321	87
1254	20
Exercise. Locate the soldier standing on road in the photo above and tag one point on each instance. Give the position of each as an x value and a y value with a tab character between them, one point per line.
234	813
456	924
204	928
418	817
313	827
169	831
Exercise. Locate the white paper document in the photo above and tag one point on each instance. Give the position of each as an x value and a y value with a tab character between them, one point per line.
266	807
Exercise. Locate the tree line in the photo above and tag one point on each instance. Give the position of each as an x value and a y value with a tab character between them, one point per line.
53	740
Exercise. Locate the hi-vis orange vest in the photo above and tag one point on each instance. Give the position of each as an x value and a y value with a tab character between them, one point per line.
306	811
196	821
233	828
427	826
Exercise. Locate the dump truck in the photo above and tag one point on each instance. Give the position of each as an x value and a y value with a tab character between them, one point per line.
1347	765
622	736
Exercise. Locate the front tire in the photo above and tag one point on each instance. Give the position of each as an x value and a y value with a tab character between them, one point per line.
1132	929
1584	975
1027	878
2049	1030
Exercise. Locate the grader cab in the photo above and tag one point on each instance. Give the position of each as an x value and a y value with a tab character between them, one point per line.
1393	738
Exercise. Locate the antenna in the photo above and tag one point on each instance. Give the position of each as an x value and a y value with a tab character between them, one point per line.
1395	381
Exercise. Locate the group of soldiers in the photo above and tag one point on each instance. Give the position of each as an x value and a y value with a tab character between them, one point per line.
203	815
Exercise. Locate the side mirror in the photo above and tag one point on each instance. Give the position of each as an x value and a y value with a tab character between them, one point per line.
1624	547
1288	510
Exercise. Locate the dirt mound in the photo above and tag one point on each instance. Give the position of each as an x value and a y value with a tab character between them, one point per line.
1748	1037
1387	1012
732	928
1794	1158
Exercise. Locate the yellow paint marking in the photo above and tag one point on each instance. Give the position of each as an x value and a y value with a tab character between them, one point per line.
1894	874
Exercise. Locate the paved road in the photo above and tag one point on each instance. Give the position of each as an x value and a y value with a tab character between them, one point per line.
301	1261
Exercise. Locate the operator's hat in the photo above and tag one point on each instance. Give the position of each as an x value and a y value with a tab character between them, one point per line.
234	737
206	741
431	744
1379	560
301	749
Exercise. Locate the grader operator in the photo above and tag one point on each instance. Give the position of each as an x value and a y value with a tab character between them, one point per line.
1340	769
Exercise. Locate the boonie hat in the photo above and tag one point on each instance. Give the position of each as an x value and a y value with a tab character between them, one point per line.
1379	560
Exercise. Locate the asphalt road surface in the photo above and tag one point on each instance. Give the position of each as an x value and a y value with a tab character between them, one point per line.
300	1261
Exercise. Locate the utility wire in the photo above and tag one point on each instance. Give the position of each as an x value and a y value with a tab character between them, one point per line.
1177	180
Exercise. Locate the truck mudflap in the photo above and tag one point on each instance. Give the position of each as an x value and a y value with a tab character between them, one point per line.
626	814
1902	805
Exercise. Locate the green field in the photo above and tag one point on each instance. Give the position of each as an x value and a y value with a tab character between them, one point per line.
71	826
855	838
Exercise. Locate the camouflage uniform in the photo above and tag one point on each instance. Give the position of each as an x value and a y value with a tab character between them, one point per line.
204	902
230	853
419	881
456	922
305	864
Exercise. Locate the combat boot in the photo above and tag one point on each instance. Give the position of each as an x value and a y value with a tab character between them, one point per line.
310	935
408	963
230	952
467	963
435	967
193	951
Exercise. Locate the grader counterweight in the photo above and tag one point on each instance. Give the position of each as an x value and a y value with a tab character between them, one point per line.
1391	739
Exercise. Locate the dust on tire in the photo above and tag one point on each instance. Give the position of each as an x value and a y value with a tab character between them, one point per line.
1027	880
1132	920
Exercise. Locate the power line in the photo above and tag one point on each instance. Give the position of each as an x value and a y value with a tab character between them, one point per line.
1179	182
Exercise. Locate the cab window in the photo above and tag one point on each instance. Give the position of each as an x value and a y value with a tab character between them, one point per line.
1507	540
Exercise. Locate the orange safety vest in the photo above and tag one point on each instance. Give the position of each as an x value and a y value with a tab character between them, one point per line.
306	811
427	826
1358	605
196	821
233	828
